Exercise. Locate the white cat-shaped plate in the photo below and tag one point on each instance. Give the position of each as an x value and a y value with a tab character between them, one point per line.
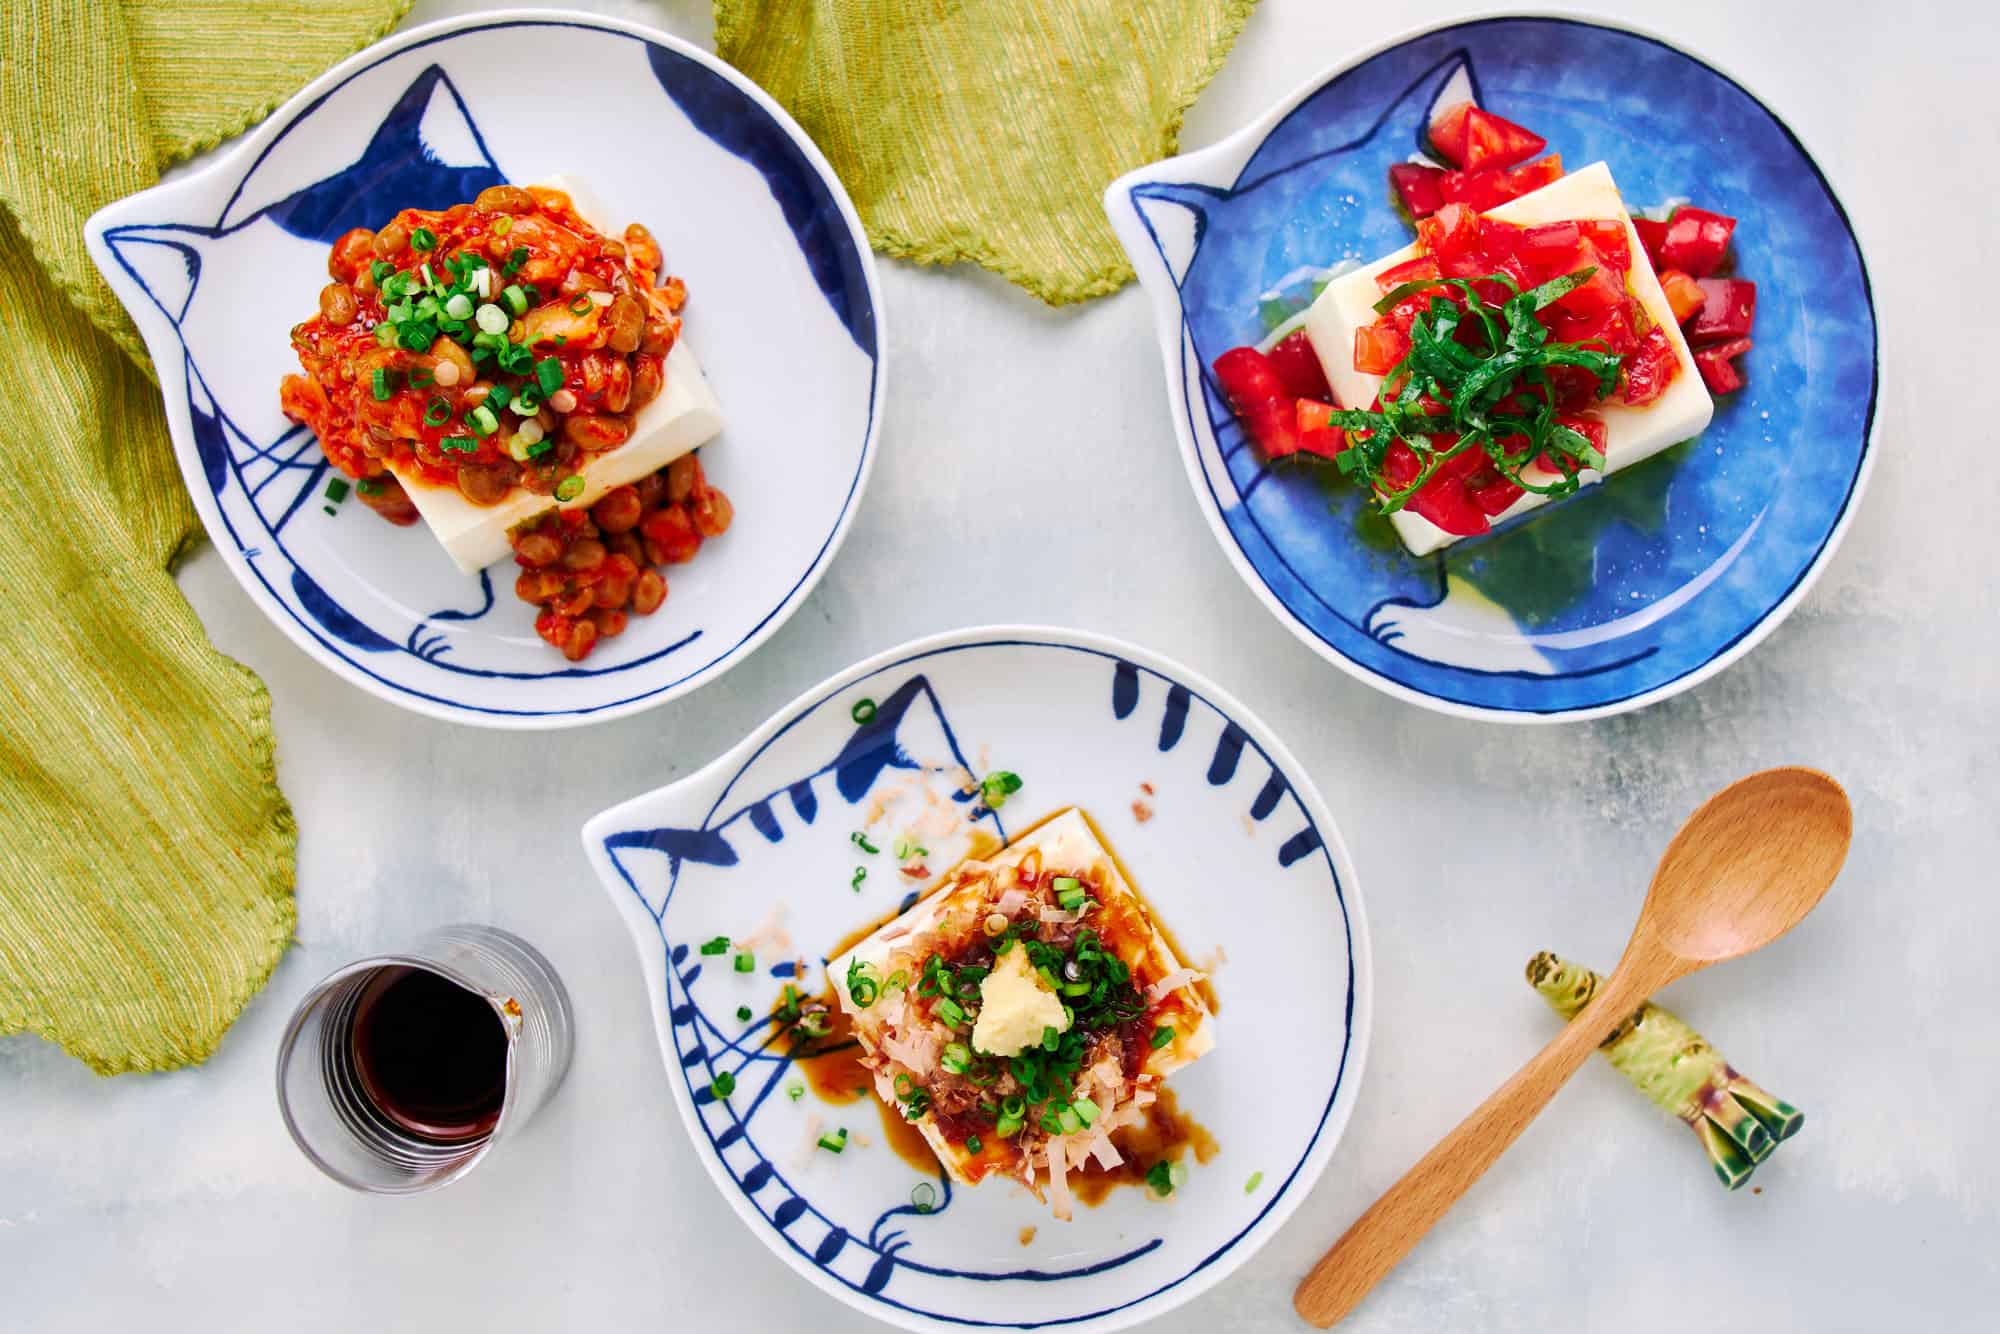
783	314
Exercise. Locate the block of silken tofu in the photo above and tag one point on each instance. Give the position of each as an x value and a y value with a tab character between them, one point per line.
1632	434
685	416
942	999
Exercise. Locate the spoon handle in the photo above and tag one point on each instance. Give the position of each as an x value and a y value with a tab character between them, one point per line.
1380	1238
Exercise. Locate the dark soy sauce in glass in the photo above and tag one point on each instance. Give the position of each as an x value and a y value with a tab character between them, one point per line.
431	1055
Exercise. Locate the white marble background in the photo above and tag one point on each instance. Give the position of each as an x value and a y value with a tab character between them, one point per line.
176	1202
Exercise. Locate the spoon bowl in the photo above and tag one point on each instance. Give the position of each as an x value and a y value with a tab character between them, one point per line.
1748	865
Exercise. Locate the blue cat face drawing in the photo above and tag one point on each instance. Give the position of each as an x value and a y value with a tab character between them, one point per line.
1620	593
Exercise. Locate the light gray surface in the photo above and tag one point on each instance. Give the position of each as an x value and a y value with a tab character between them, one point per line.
176	1203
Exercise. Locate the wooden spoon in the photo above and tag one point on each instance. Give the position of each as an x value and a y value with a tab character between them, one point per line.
1741	872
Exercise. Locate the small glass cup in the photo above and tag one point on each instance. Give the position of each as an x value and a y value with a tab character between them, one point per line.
323	1092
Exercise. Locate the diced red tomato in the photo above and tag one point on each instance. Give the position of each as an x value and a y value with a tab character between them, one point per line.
1491	492
1318	435
1603	290
1717	364
1728	308
1590	428
1247	377
1491	187
1684	294
1612	241
1649	369
1696	240
1444	499
1609	327
1420	269
1378	347
1651	235
1448	132
1257	392
1494	141
1450	235
1417	186
1298	367
1551	248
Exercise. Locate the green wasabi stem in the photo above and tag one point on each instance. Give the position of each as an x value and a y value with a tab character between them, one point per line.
1738	1123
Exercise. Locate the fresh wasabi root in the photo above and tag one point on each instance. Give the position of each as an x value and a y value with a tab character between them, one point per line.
1738	1123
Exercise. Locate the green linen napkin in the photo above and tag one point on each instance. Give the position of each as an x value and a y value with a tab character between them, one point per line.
145	849
986	130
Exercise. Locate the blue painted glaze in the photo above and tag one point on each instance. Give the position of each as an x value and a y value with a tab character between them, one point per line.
1742	518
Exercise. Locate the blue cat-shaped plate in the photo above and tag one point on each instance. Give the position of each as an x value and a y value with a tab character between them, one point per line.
1221	831
1630	592
783	314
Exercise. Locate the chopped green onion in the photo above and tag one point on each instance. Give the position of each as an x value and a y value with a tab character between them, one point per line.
1162	1036
549	374
499	397
380	270
863	710
720	945
417	335
722	1085
1256	1180
515	259
953	1014
385	334
860	874
336	489
540	447
924	1197
795	1090
995	788
491	318
1050	1038
437	412
956	1058
423	238
862	987
743	1013
502	225
973	1144
1161	1178
836	1142
462	444
1069	1120
385	384
581	305
422	377
459	306
368	486
515	298
746	963
402	310
569	488
907	848
430	279
516	358
482	421
1086	1111
861	841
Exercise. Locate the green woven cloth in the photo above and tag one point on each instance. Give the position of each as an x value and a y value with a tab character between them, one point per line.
986	130
145	849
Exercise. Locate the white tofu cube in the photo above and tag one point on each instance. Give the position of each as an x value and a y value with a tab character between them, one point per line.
1631	433
684	416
